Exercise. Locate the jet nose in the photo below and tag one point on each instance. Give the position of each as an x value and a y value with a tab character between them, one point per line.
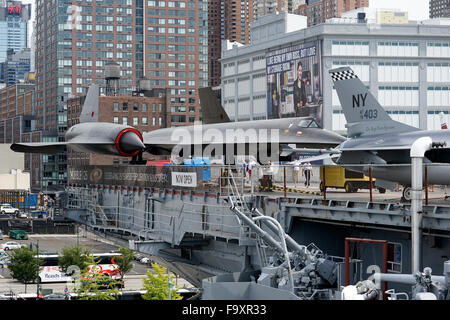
131	142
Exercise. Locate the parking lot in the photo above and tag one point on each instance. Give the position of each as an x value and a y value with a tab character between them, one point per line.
55	243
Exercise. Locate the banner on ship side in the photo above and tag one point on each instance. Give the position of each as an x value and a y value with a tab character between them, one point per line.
137	176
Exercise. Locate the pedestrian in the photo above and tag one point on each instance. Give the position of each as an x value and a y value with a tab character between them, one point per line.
307	172
296	163
251	166
244	168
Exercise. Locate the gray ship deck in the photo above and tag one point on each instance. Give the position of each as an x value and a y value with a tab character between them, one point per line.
195	232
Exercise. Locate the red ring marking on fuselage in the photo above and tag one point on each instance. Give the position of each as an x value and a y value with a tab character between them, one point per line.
121	133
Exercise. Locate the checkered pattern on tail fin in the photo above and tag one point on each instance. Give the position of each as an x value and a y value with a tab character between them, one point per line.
343	75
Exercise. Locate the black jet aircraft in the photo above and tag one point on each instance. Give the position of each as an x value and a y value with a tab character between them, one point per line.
216	137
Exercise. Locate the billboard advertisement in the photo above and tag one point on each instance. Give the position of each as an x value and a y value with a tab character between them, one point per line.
294	86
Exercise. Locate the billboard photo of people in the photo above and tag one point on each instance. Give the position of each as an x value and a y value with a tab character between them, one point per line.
294	82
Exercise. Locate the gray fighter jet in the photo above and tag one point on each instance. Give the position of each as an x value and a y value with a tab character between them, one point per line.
374	138
219	136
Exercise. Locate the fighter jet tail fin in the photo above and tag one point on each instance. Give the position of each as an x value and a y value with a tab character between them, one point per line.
364	115
212	110
89	113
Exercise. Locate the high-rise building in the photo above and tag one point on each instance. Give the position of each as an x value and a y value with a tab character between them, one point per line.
264	7
15	67
318	11
73	45
176	53
439	9
14	18
228	20
75	42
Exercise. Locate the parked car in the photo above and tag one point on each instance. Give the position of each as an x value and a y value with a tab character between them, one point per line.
22	215
144	260
10	245
138	257
4	261
6	208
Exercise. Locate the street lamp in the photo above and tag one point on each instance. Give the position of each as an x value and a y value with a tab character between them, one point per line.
37	276
282	236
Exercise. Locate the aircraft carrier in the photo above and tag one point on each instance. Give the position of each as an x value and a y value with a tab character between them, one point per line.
244	237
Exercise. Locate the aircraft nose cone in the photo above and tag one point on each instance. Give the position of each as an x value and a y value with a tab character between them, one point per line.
130	142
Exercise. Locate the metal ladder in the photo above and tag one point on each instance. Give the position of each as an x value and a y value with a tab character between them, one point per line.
238	202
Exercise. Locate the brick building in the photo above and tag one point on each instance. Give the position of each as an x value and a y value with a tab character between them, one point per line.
227	20
145	110
318	11
17	124
439	9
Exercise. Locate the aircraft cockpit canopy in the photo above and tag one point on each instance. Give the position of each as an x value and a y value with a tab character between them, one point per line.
308	123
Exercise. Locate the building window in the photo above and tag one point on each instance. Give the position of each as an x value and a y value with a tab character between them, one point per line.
144	107
135	106
178	118
153	121
160	107
144	121
116	106
154	107
135	121
116	120
125	120
125	106
160	121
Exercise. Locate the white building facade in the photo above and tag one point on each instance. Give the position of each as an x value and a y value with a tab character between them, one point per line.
405	66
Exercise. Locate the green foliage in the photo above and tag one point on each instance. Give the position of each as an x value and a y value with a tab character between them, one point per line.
73	256
96	286
156	285
24	265
125	261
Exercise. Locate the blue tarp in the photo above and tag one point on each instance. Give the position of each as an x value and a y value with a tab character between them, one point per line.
200	161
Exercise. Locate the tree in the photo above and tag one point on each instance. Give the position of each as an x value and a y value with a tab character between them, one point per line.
125	261
73	256
94	285
24	265
157	285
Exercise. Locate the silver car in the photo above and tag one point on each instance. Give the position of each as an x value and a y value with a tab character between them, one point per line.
10	245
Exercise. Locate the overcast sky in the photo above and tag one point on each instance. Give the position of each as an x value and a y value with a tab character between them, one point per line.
417	9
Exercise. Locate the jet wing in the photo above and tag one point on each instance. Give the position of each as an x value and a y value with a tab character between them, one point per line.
57	147
39	147
377	148
319	157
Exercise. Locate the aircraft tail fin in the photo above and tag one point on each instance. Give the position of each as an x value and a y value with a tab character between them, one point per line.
89	112
212	110
364	115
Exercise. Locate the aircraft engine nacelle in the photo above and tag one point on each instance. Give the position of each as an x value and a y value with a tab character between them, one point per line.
129	142
105	138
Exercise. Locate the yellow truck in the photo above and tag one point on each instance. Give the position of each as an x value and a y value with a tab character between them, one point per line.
339	177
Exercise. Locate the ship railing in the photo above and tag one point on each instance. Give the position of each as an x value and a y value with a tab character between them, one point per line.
356	266
200	218
279	178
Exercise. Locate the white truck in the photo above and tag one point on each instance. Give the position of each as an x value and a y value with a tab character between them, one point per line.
6	208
